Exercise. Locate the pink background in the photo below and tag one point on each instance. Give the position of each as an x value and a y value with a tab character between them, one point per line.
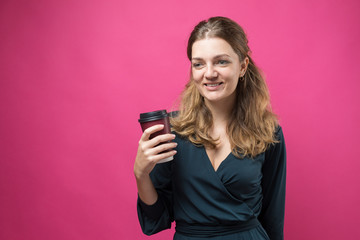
74	76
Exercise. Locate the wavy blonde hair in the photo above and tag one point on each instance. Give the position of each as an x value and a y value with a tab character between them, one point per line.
251	127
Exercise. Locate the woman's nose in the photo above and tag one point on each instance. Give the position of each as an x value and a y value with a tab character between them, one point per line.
210	72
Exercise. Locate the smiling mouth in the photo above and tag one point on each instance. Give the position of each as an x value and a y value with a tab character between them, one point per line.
213	84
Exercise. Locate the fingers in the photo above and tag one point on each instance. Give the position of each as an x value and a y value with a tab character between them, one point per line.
158	157
145	136
163	138
147	157
160	149
144	140
151	151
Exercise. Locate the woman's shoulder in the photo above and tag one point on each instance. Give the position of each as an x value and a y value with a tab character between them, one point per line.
279	132
175	114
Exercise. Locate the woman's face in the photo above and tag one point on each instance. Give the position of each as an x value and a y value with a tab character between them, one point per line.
216	69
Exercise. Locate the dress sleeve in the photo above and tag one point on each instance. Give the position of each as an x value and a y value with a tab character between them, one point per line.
273	186
157	217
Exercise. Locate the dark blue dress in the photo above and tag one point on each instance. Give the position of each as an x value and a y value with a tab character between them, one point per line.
243	199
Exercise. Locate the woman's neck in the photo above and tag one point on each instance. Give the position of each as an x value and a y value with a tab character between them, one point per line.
221	111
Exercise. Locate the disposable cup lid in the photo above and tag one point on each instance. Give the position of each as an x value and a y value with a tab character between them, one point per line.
152	116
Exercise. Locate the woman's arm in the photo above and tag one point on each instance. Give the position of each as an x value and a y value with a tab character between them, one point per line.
154	210
149	153
273	186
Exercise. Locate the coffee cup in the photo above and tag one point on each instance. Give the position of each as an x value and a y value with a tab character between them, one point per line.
149	119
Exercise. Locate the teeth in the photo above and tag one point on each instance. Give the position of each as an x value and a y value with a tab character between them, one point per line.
213	85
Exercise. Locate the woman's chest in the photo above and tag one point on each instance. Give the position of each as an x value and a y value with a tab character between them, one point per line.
239	176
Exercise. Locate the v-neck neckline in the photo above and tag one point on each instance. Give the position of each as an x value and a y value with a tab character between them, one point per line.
210	163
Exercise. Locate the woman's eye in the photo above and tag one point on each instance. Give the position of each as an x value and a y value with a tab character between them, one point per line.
196	65
222	62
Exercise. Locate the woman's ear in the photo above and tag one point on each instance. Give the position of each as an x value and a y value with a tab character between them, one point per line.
244	65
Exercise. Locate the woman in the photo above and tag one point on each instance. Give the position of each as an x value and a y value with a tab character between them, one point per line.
227	179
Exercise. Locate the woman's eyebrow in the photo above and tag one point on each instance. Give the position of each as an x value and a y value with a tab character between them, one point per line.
217	56
221	55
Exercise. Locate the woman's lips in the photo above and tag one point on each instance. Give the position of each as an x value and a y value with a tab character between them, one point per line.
212	86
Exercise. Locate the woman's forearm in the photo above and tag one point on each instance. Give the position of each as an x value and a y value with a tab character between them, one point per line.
146	190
